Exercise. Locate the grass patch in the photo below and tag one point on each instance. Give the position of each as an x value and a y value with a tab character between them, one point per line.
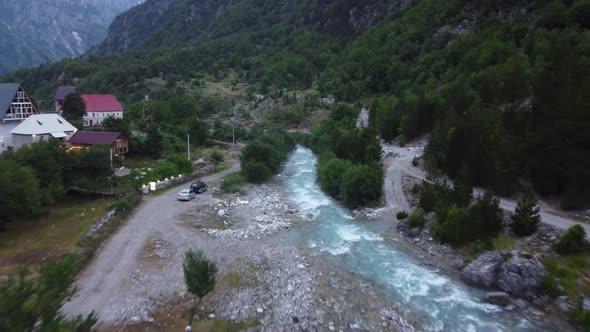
239	280
233	183
223	325
572	272
503	242
27	241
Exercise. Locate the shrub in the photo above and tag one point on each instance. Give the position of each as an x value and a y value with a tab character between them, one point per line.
120	205
401	215
361	184
486	216
256	171
573	241
330	175
550	286
580	13
525	218
183	165
233	183
199	275
216	156
552	16
456	227
417	219
581	316
415	161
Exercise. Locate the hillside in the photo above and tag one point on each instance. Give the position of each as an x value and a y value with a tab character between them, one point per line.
158	23
41	31
502	87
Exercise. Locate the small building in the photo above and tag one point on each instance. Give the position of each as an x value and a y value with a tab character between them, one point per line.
15	106
100	107
41	127
60	96
86	139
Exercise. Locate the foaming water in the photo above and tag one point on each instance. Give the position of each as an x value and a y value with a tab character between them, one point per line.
442	303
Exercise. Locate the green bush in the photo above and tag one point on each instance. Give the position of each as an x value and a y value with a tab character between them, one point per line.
573	241
330	175
361	184
233	183
580	13
216	156
525	218
401	215
486	216
552	16
550	286
265	155
417	219
183	165
32	303
581	316
256	171
454	227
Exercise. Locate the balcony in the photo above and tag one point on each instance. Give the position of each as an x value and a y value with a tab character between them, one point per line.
121	150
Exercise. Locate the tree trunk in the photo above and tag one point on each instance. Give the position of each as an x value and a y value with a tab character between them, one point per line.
194	310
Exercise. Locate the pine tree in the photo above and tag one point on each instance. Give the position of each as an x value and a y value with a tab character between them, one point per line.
526	217
199	274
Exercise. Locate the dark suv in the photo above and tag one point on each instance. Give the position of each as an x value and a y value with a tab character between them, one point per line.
198	186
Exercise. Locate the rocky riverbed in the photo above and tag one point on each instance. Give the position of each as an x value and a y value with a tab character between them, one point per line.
264	279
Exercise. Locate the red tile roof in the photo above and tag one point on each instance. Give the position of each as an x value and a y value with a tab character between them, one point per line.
102	103
94	137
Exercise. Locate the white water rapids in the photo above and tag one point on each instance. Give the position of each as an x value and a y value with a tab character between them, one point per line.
440	302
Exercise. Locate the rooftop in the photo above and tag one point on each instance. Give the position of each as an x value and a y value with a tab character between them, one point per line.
47	123
94	137
102	103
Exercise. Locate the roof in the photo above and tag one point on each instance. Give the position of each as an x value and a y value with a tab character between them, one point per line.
102	103
94	137
47	123
63	91
7	93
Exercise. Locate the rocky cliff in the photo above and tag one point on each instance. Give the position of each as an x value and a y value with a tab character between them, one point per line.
39	31
158	23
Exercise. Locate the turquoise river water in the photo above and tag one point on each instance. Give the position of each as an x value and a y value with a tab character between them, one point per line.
442	303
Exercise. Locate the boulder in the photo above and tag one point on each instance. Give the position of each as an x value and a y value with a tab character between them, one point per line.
483	271
520	275
498	298
563	304
586	304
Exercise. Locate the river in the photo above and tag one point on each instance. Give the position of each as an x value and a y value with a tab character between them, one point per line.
440	302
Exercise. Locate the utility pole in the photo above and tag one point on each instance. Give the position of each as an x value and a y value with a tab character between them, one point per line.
188	146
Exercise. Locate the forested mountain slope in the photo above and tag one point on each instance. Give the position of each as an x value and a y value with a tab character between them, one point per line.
503	87
158	23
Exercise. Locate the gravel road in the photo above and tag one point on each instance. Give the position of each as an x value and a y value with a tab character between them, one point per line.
101	284
398	161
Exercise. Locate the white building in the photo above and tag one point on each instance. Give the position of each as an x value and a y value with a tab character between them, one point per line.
100	107
42	127
15	106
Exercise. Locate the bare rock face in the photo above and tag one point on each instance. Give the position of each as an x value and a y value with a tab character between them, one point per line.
483	271
517	275
498	298
520	275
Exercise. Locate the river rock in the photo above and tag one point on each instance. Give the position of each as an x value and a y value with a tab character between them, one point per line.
498	298
520	275
586	304
482	272
562	304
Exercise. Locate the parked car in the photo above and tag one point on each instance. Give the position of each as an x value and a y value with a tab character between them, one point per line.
186	195
198	186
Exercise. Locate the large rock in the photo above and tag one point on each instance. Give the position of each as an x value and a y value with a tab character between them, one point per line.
498	298
483	271
520	275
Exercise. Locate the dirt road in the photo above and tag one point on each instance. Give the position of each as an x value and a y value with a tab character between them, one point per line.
100	285
399	165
